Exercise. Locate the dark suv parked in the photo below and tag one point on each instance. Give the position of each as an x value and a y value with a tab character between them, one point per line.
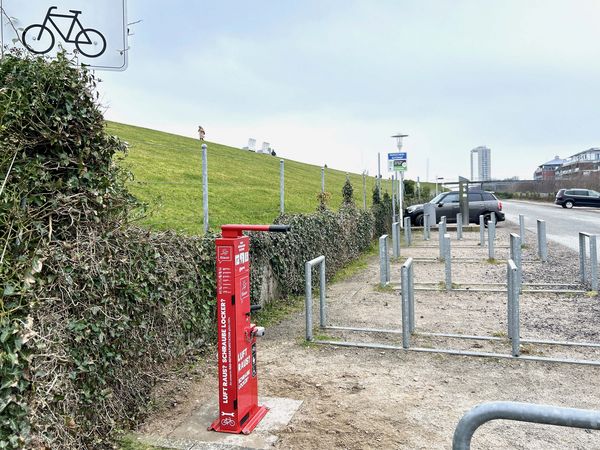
446	204
567	198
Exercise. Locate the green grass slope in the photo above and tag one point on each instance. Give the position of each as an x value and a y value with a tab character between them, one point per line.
243	186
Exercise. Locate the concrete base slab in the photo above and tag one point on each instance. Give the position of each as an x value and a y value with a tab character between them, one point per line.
193	434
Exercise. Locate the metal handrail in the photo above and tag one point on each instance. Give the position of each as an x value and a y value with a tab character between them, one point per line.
522	412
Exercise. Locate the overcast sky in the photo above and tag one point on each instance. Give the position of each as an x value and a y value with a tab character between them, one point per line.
328	81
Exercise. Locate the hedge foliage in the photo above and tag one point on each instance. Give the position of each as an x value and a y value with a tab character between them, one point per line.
94	310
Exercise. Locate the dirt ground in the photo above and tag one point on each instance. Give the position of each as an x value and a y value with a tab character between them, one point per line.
367	398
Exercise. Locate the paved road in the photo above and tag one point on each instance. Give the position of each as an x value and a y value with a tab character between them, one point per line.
562	225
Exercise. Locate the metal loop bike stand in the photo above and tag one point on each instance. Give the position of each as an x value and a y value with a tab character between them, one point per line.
396	239
408	325
522	412
515	255
593	276
384	261
542	241
308	295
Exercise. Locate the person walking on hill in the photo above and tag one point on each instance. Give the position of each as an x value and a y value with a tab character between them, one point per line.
201	133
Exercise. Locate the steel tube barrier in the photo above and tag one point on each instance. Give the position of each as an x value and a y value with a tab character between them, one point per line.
308	301
542	241
426	227
442	232
514	327
481	231
408	302
522	228
522	412
384	261
411	295
515	255
448	262
407	231
396	239
593	279
491	238
459	226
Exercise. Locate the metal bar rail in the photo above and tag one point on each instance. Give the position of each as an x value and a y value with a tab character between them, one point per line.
308	295
522	412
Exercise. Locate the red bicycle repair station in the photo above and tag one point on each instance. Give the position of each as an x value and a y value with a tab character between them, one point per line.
238	384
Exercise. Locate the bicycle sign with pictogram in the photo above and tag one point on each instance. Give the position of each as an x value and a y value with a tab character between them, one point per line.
94	33
39	38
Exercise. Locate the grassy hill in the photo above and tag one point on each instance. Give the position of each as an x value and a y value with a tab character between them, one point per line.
243	186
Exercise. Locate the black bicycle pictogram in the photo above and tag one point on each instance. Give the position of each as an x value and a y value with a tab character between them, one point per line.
39	39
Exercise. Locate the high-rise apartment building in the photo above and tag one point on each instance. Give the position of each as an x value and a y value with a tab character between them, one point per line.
484	164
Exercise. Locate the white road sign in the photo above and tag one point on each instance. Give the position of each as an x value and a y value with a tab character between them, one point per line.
94	31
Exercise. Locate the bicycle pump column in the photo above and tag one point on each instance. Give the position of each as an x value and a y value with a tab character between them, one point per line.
239	411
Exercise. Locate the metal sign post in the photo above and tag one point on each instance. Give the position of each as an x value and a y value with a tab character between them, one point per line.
397	163
94	33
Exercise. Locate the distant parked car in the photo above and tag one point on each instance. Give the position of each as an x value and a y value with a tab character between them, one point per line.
447	204
567	198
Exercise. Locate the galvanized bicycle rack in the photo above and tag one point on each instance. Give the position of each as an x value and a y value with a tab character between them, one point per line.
407	330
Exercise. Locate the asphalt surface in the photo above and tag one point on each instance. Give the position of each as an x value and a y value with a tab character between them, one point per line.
562	225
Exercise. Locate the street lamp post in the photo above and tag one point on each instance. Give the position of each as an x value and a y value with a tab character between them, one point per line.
399	144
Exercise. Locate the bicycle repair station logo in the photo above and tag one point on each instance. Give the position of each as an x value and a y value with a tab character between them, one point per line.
93	31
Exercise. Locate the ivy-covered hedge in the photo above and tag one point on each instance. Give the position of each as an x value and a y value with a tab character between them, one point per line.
94	310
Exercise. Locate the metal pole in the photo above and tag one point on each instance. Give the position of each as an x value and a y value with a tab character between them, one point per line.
491	238
515	255
393	201
522	228
401	196
522	412
448	262
594	262
481	231
441	232
426	227
395	240
379	174
281	187
459	226
308	300
515	337
407	239
323	179
204	184
365	191
409	226
582	257
542	242
405	307
411	296
510	282
323	295
383	264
